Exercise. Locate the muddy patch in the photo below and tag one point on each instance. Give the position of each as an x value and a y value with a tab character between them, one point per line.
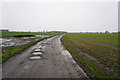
19	40
23	36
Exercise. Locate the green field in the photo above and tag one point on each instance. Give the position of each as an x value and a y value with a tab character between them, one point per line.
6	34
96	53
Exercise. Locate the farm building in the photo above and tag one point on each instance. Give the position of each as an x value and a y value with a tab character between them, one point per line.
4	30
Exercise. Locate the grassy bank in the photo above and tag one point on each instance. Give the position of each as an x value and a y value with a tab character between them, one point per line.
6	34
7	53
96	53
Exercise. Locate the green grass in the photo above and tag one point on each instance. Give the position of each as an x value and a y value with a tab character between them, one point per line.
6	34
102	47
7	53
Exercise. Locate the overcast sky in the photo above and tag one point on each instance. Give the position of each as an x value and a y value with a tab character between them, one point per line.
59	15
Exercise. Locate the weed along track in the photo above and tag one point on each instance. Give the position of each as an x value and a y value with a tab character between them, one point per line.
46	59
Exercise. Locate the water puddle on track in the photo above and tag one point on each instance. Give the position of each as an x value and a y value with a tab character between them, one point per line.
37	53
35	57
37	50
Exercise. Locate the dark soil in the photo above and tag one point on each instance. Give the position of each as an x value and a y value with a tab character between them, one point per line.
23	36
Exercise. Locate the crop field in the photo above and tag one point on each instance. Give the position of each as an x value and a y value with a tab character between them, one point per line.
6	34
96	53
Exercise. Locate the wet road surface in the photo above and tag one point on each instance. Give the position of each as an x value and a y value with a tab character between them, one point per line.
46	59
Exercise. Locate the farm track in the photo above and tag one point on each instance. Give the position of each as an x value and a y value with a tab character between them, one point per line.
52	61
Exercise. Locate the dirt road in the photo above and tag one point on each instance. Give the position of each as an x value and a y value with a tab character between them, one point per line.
46	59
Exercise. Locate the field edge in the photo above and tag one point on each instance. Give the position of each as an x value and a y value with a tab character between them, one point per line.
74	54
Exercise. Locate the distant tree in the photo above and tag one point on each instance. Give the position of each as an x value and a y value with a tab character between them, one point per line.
107	32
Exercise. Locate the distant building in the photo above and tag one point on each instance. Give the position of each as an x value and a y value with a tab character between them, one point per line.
4	30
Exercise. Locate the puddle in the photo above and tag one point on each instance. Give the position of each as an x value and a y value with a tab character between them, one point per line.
66	53
42	36
43	47
37	53
37	50
38	43
40	47
35	57
37	47
25	37
45	42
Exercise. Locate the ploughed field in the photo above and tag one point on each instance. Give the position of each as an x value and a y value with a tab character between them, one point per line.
96	53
